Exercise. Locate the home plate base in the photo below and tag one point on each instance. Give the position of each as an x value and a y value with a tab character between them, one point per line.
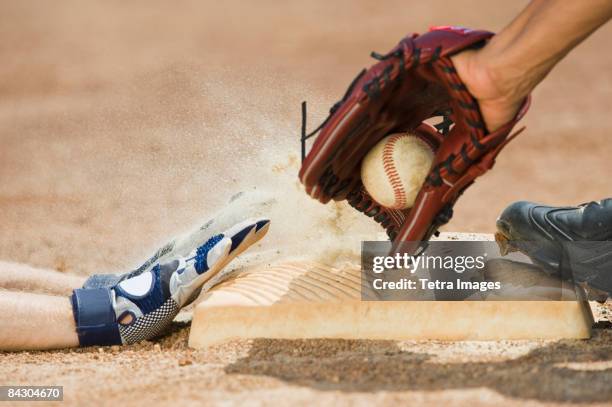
301	299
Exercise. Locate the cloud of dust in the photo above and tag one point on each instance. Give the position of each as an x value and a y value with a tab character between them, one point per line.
301	228
265	171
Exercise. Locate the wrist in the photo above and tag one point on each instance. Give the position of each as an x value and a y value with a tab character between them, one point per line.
497	86
509	82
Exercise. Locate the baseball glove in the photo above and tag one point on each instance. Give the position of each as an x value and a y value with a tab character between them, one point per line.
414	82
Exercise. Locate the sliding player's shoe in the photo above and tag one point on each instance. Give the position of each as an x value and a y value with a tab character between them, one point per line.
247	204
143	306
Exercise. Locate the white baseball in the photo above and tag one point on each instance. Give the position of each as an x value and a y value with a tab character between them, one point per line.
395	169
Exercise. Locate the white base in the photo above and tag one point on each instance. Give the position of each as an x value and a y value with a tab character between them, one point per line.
308	300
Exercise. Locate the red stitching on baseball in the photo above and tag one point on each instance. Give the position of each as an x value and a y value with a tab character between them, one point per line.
389	167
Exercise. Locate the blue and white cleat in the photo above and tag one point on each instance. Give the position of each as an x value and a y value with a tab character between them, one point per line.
143	306
247	204
241	237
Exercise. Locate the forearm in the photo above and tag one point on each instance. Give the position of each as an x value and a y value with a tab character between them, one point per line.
35	321
528	48
507	69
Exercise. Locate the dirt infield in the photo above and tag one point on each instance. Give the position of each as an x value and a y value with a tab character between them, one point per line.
326	372
124	123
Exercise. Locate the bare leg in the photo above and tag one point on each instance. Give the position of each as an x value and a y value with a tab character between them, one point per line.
508	68
21	277
36	321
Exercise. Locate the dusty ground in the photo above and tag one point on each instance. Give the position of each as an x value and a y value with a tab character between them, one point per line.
327	372
117	118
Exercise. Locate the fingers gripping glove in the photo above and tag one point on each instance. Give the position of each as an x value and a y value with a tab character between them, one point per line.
143	306
414	82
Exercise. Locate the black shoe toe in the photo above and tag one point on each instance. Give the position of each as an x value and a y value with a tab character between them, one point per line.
517	223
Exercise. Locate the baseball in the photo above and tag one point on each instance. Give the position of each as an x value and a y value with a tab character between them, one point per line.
394	170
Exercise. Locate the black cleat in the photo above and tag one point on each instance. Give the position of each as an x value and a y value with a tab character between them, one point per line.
573	242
